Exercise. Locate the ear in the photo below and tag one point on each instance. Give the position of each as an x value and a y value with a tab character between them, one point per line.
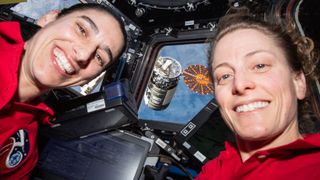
47	18
300	85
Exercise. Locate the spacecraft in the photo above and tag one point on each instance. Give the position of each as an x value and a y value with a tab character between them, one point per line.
146	117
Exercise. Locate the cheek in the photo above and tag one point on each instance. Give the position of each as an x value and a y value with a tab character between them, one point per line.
217	95
227	118
92	71
277	83
56	32
222	94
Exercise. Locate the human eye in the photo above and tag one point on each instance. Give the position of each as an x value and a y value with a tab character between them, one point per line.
223	75
82	30
99	59
261	67
223	78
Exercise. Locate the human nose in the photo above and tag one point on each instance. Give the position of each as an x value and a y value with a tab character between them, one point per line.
83	54
242	83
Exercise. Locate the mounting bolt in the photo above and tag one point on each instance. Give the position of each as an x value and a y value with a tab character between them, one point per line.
140	12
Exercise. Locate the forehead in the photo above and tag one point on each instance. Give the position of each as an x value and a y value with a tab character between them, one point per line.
242	41
94	14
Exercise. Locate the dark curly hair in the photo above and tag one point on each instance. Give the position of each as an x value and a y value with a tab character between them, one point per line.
299	52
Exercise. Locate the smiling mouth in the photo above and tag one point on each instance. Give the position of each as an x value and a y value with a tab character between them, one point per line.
252	106
62	61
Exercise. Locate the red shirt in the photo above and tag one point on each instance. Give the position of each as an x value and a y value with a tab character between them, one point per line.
297	160
18	121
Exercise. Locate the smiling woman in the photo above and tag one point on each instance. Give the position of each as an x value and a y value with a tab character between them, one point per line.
83	51
49	59
259	81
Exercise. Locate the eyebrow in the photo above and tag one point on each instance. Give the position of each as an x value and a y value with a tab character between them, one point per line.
259	51
92	24
222	64
109	53
247	55
96	30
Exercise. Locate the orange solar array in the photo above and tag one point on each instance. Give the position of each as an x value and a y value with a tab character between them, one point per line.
197	78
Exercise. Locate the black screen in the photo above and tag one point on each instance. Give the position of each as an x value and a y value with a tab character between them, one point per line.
115	156
209	139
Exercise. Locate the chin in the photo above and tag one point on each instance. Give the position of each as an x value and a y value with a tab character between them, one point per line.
254	135
254	138
46	83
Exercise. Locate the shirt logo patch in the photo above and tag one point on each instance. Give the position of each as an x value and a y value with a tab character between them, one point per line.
14	150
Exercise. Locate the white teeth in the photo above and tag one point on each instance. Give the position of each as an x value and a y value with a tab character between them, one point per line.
252	106
62	61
